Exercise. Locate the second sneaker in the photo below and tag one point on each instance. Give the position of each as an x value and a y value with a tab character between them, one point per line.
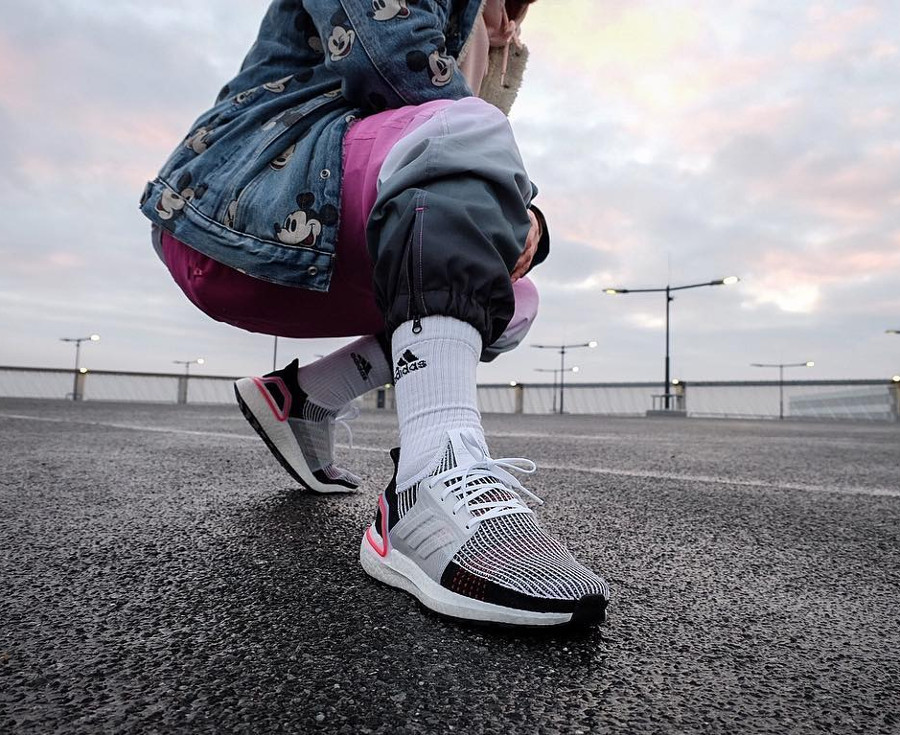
298	432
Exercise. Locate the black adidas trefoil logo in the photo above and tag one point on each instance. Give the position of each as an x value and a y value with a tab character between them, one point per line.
362	364
407	363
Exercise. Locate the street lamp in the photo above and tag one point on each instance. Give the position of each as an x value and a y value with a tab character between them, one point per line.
556	371
78	370
892	331
781	366
562	363
183	381
187	364
727	281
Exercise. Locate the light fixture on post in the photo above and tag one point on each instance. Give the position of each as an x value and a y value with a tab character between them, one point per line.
183	380
76	393
781	366
187	364
667	290
562	364
556	371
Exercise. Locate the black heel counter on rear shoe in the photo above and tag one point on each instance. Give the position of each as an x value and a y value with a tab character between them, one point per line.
301	406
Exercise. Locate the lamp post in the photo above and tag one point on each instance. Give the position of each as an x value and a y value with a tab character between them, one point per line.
187	364
78	340
556	371
562	363
781	366
183	380
727	281
892	331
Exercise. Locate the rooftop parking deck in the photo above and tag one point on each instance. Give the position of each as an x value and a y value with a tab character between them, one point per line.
162	573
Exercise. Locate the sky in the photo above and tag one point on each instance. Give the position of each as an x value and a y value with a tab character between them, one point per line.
673	143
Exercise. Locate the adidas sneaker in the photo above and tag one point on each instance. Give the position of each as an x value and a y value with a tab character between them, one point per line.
298	432
467	546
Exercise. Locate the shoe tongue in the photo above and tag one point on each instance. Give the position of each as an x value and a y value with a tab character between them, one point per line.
463	447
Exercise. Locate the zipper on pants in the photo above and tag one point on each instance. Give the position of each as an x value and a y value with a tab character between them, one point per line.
417	308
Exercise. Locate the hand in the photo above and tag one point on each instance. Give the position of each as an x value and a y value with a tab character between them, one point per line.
531	244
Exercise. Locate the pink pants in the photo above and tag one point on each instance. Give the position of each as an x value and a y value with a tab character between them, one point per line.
348	308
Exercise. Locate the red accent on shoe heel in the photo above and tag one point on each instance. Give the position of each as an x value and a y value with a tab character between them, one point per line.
281	415
383	551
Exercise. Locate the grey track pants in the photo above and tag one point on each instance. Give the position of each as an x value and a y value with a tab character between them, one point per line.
450	220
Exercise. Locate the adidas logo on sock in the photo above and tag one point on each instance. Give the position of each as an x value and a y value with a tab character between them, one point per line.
362	364
407	363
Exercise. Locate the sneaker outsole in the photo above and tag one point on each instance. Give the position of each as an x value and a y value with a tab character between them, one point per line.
283	461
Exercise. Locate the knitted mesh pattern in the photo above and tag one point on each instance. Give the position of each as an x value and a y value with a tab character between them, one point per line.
316	440
448	461
514	552
333	473
406	500
316	414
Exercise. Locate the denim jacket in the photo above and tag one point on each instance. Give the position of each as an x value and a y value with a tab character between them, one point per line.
256	183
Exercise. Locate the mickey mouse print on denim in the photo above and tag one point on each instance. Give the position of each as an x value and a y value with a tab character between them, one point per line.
275	134
303	226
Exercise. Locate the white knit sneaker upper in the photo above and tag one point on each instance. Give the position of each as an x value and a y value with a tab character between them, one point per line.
468	527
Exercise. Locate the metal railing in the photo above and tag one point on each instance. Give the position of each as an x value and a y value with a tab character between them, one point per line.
872	400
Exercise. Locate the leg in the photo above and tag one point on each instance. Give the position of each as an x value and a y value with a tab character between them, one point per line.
294	409
452	527
448	226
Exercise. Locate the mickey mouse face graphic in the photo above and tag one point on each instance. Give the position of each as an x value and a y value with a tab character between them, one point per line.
282	159
231	214
341	42
442	67
198	141
302	227
389	9
298	229
278	86
169	204
241	97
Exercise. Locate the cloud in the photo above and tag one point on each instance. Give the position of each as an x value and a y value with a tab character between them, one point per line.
672	142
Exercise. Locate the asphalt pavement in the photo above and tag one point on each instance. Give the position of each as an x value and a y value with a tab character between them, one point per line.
162	574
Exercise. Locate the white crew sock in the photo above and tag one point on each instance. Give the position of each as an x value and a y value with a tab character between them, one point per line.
435	389
353	370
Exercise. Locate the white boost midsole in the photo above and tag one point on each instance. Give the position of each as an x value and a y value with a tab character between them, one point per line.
398	570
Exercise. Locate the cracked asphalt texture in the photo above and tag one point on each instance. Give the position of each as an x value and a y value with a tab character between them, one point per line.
162	573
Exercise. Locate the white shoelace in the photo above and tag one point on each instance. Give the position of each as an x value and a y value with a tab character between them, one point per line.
469	484
347	414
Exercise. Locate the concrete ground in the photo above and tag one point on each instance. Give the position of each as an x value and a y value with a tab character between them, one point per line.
161	573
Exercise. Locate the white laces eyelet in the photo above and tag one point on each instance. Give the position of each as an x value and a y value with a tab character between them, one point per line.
485	488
